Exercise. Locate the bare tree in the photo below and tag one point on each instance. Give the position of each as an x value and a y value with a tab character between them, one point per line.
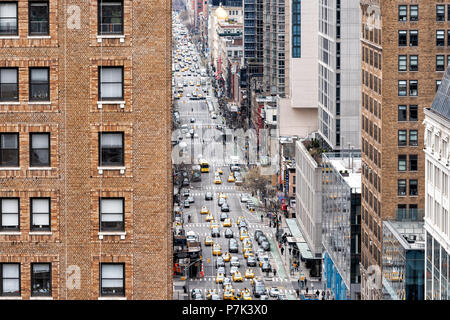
256	182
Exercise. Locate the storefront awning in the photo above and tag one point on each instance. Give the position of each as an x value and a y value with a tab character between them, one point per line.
300	240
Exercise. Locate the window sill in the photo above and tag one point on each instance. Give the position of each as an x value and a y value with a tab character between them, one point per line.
102	102
9	168
9	37
39	37
15	103
41	298
10	233
40	233
39	102
100	169
112	298
121	37
39	168
11	298
122	234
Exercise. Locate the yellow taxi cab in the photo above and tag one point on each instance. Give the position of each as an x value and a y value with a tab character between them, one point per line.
228	295
219	171
227	223
217	250
247	243
209	293
240	219
222	195
198	84
214	224
199	96
229	287
249	274
226	257
204	210
246	295
209	217
217	180
243	235
248	253
209	241
230	178
219	277
237	276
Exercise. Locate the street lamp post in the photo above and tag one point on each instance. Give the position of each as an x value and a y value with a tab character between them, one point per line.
186	272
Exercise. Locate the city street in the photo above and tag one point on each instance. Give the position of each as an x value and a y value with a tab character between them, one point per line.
198	109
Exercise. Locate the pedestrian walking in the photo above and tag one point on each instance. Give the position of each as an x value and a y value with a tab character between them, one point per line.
317	293
282	250
305	281
306	290
274	272
189	218
262	217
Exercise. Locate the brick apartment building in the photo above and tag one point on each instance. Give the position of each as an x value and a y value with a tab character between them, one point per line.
85	159
405	47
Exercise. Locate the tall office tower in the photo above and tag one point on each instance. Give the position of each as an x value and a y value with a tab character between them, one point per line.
437	204
85	159
275	47
339	74
404	48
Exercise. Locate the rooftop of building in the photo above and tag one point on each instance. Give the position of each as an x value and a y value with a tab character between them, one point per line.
411	234
441	102
348	164
314	149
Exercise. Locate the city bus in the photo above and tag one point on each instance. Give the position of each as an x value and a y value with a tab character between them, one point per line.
204	165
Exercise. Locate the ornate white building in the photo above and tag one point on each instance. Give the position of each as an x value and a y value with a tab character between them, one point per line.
437	202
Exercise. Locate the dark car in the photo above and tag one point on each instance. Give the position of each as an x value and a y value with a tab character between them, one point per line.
251	261
266	267
225	208
265	245
221	201
215	233
195	291
258	233
261	238
186	193
233	246
223	216
208	196
229	233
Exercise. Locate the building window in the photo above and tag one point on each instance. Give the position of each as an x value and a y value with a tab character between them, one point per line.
440	12
8	18
413	138
413	113
111	83
402	13
40	214
413	13
402	88
413	187
402	63
438	83
401	212
413	212
9	279
402	112
39	84
402	162
440	38
9	89
112	214
402	38
9	214
413	88
9	149
413	162
112	282
38	22
111	149
402	137
41	279
413	63
413	38
440	63
401	187
110	17
40	149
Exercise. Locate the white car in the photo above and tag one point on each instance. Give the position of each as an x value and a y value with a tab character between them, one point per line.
213	115
233	270
274	292
235	262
